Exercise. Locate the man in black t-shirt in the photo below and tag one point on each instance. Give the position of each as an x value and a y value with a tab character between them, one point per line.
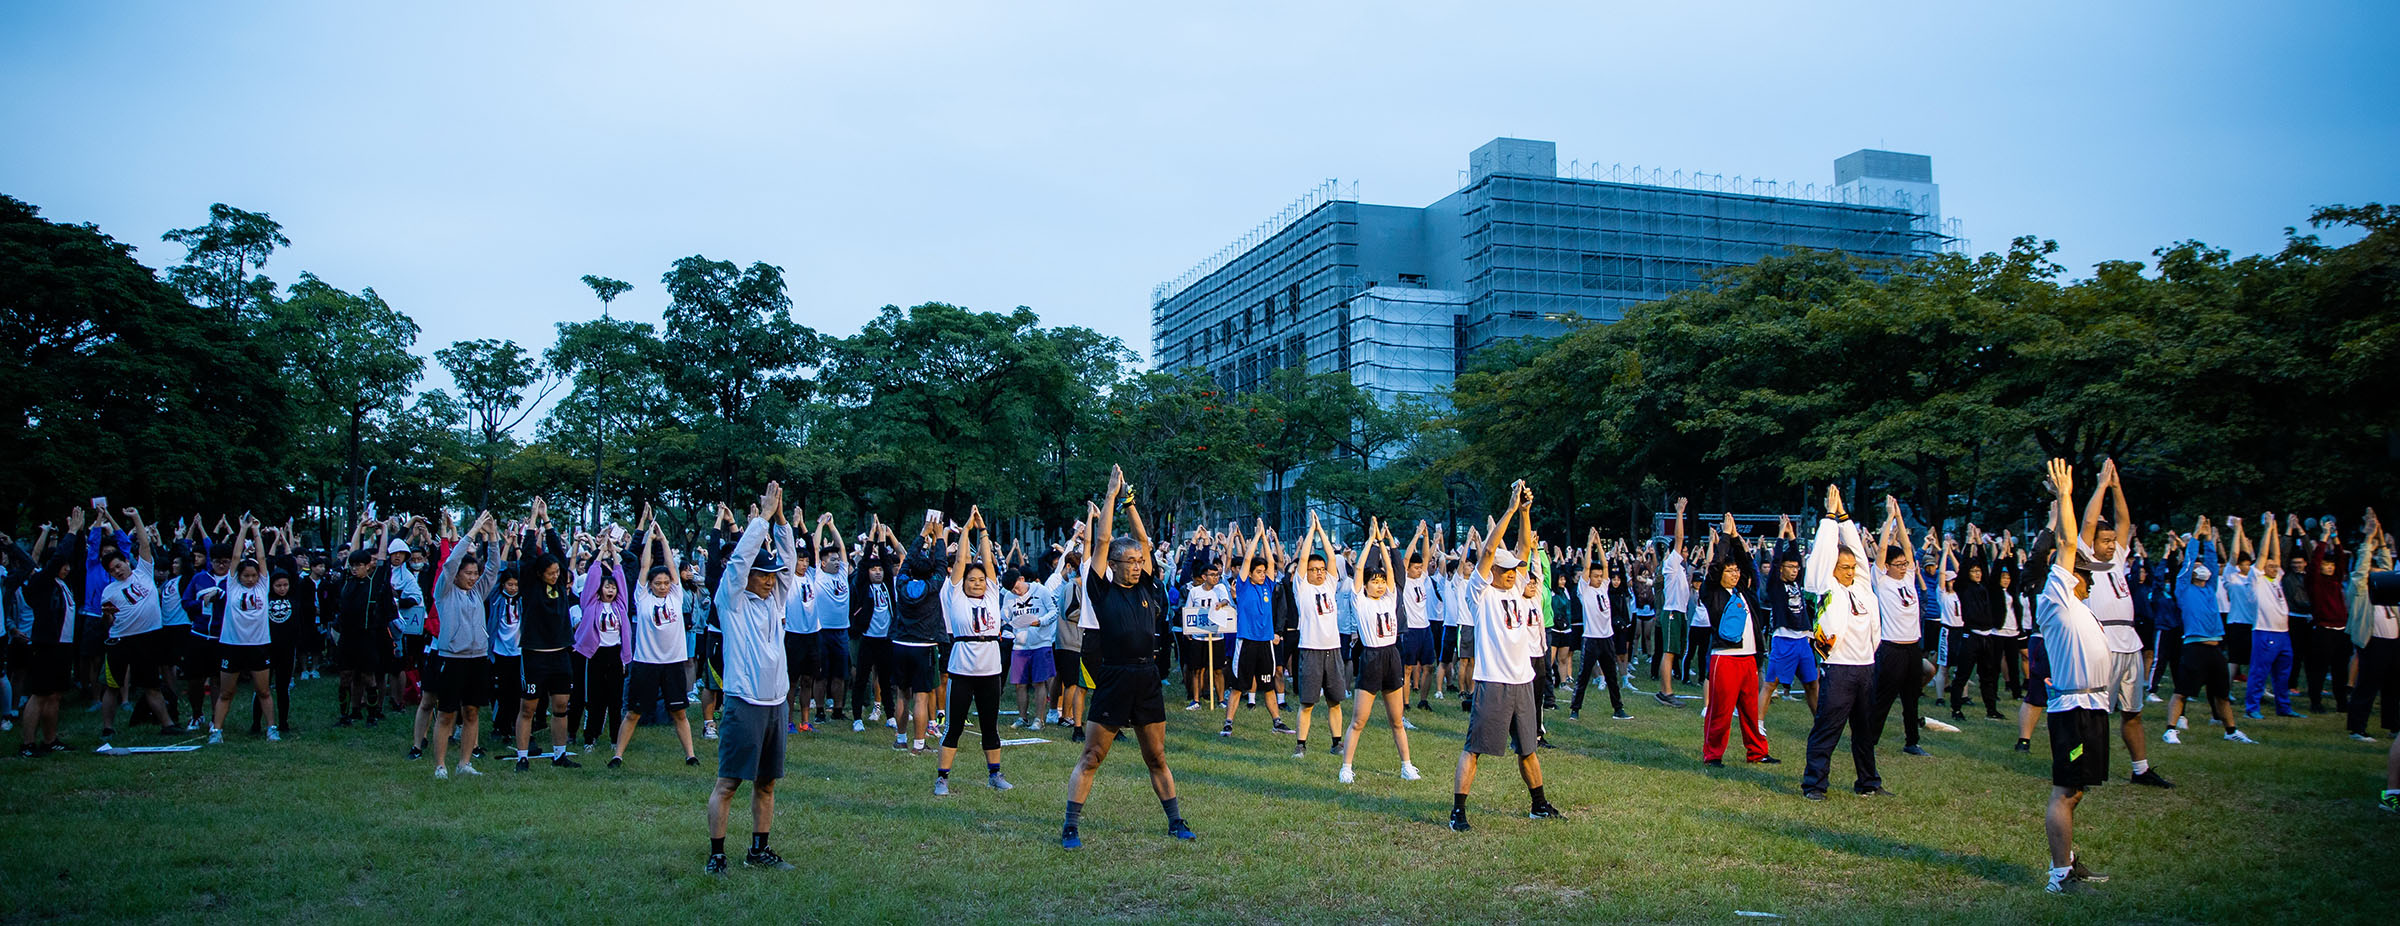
1124	605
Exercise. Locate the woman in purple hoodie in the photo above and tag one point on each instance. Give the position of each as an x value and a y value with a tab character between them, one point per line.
600	640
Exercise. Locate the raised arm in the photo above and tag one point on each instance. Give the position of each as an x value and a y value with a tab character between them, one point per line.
2062	488
958	552
1679	506
841	548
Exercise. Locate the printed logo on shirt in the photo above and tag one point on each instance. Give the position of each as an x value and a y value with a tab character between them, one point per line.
661	615
984	622
2116	585
608	621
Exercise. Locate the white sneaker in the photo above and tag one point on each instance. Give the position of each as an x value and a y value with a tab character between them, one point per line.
2184	722
1932	724
891	723
1346	776
876	713
1437	694
1192	706
466	769
1034	725
192	725
2154	698
1628	686
2171	738
858	726
708	730
1051	718
441	773
2238	736
1409	772
274	735
1407	724
215	737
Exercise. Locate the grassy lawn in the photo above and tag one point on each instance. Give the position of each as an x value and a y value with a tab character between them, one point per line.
333	825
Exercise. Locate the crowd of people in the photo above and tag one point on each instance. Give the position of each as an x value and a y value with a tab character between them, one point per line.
780	626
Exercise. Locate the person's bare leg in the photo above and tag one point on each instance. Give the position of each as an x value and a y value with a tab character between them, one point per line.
525	709
683	732
625	733
1463	778
1096	741
2137	746
473	739
2027	714
2059	824
558	723
442	725
222	702
1153	740
719	798
1529	767
762	806
1358	723
1395	707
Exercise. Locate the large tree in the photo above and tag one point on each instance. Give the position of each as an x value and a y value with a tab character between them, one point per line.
348	355
493	377
740	366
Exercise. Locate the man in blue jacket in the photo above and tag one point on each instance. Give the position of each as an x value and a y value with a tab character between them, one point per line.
2203	659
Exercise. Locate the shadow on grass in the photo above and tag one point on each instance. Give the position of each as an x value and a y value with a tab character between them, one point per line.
1865	845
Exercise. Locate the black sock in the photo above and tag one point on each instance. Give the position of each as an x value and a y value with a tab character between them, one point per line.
941	773
716	846
991	768
1171	806
1537	796
1458	803
758	842
1074	812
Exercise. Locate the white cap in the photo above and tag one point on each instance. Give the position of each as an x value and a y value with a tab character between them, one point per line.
398	546
1504	558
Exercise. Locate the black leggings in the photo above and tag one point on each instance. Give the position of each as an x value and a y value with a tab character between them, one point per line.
1597	650
603	694
2328	656
1899	676
984	692
1982	657
2376	677
283	647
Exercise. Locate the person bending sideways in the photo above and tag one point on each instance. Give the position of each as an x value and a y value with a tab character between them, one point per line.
1124	608
759	584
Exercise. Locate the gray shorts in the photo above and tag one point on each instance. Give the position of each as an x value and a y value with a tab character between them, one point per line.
750	740
1503	719
1323	671
2124	682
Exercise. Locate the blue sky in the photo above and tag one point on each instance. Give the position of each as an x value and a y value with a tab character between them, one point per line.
471	161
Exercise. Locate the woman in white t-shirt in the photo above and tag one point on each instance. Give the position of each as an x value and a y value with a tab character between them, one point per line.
1382	674
657	651
971	608
242	643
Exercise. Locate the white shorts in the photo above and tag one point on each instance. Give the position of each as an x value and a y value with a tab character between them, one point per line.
2124	682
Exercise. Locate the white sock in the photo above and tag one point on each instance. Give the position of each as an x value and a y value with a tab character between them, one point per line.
2140	766
2060	874
520	753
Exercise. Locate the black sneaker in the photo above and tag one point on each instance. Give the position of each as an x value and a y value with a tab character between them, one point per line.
1068	838
1915	751
1714	763
1544	811
616	761
1665	698
1078	737
1960	716
2024	745
2152	778
1458	821
716	865
1228	731
1620	715
59	746
1993	715
1337	746
524	763
1281	727
415	753
1424	705
1180	830
767	859
1813	795
693	761
1574	715
1299	749
1769	760
28	752
564	762
478	753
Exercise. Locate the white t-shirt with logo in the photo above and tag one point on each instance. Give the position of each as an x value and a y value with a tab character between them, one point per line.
246	622
136	600
658	628
972	617
1508	632
1320	616
1378	619
2274	613
1414	604
830	598
1597	624
1897	599
2111	603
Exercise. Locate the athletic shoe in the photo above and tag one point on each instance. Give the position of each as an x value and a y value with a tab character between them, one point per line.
2238	736
1938	726
2170	737
414	752
891	723
999	782
1034	725
858	726
523	763
59	746
806	727
1877	791
1407	724
1458	821
1714	763
190	726
1543	811
1574	715
693	761
2153	698
1958	715
1940	702
1078	737
767	859
28	752
2291	714
875	713
2076	872
1049	718
1192	706
900	743
1280	727
715	867
1620	715
1068	838
2390	801
218	736
468	771
564	762
1628	686
274	734
941	787
2183	723
2152	778
2253	714
2361	738
1299	750
1424	705
1769	760
1664	698
2061	882
708	730
1812	795
616	761
1542	742
1228	731
1409	772
2024	745
791	727
1180	830
1346	775
1916	751
1436	696
441	773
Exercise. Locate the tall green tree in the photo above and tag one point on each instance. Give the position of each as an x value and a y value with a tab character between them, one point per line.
740	365
348	355
221	256
493	377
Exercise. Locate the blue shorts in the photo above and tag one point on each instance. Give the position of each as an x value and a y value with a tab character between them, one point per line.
1789	660
1416	646
834	660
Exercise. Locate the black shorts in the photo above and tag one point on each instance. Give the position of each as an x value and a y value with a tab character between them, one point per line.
133	662
712	661
546	674
190	653
914	669
49	668
236	660
412	651
1125	696
1446	648
833	660
462	681
2079	748
802	654
2202	665
1380	669
1070	666
1253	666
1194	654
648	683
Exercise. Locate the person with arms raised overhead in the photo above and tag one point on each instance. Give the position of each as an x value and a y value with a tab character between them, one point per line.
1503	608
752	599
1123	607
2203	660
463	644
1736	620
2080	693
1848	626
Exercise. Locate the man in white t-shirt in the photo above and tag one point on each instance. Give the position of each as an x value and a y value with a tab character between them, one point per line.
829	601
2080	696
1849	626
1322	672
2111	592
1674	605
1599	631
1899	656
1506	611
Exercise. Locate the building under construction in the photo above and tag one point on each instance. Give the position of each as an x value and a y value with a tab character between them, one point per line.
1400	297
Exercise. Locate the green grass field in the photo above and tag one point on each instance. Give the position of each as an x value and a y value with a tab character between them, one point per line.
333	825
